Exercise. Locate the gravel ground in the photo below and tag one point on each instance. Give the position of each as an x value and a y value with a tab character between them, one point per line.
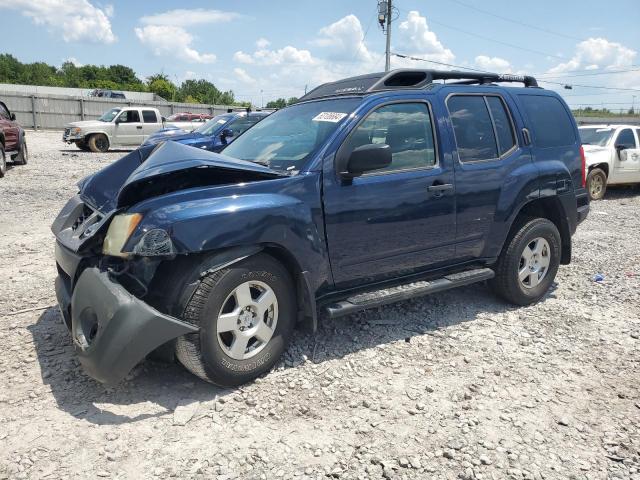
456	385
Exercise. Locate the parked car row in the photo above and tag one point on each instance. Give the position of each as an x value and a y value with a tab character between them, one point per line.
132	126
13	140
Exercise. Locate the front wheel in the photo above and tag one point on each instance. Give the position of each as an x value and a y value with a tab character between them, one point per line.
98	143
3	161
23	156
596	184
246	314
528	264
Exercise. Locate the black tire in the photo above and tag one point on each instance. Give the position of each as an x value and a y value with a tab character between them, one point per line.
98	143
3	161
596	184
202	354
23	156
507	283
82	145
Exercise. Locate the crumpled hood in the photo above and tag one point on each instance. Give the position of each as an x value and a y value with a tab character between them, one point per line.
151	171
86	124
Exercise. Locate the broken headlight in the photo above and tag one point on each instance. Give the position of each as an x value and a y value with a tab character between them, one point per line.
120	229
154	243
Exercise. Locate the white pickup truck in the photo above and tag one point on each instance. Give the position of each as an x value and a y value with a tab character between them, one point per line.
119	127
612	154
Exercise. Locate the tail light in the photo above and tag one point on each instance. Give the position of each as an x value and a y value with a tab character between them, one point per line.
583	160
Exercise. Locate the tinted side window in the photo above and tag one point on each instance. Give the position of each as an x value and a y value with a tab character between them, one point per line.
550	122
149	116
472	128
406	128
130	116
502	122
626	138
240	125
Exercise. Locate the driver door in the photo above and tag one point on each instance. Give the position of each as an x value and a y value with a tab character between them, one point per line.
626	163
398	219
129	128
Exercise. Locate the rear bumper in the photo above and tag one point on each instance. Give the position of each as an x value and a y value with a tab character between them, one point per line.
582	199
112	330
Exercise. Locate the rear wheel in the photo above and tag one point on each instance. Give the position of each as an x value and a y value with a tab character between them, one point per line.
246	314
596	184
98	143
528	264
23	156
3	161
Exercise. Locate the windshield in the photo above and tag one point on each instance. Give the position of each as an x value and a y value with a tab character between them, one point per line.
110	115
595	136
213	125
286	139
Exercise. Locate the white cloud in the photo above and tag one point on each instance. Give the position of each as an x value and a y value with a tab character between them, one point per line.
243	76
108	10
182	17
344	40
262	43
493	64
284	56
596	53
242	57
416	39
78	20
167	40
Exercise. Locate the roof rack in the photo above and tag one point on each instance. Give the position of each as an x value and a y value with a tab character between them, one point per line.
410	79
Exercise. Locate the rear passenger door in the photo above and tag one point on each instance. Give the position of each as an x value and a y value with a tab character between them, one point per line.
150	123
492	169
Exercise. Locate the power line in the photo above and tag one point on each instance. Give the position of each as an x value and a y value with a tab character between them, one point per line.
409	57
592	86
610	72
517	22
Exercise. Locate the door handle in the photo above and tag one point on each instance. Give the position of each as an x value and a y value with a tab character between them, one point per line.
440	187
139	127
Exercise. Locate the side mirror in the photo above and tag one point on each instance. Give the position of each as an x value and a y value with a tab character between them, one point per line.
164	119
622	146
623	155
227	132
118	120
365	158
13	117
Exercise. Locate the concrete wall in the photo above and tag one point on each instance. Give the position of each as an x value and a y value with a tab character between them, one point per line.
43	111
626	120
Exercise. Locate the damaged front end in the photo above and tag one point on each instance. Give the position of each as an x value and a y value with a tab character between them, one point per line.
103	281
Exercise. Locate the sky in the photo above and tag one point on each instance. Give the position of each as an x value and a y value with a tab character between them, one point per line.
267	49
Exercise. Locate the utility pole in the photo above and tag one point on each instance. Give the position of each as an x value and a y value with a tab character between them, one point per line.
384	19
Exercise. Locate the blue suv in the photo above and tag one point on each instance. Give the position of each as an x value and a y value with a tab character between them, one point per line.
370	190
213	135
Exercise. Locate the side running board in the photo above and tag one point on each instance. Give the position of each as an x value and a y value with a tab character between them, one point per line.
376	298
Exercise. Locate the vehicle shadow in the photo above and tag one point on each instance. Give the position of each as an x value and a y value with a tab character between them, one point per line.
77	150
619	192
154	389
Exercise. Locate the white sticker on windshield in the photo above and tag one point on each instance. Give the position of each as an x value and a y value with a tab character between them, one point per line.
221	121
329	117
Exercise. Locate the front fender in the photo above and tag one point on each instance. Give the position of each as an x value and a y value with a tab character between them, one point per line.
209	224
86	134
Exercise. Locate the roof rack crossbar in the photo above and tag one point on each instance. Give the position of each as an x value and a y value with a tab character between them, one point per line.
411	78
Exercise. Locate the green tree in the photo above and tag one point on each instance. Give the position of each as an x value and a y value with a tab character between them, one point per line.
160	85
292	100
279	103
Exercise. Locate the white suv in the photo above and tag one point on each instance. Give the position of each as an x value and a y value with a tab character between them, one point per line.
612	154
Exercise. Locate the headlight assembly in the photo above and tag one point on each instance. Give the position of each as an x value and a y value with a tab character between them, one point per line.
120	229
154	243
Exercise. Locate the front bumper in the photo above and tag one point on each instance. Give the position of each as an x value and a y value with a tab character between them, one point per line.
112	330
69	137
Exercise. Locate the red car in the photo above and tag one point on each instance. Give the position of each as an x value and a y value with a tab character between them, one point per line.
13	143
189	117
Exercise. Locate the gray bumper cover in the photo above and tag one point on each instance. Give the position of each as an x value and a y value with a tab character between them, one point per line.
112	330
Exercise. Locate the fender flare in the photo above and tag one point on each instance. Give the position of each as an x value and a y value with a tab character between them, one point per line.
85	136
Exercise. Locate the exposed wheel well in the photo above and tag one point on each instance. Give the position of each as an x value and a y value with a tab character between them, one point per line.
550	208
602	166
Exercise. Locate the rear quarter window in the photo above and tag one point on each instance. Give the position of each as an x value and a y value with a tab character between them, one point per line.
549	120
